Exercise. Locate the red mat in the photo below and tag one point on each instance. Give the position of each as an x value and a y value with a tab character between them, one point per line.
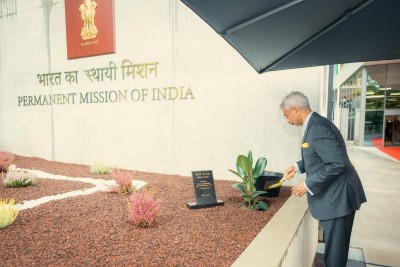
394	152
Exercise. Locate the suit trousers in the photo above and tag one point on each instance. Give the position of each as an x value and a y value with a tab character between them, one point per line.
337	233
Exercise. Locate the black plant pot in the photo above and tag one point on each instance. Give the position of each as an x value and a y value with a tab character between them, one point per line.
266	179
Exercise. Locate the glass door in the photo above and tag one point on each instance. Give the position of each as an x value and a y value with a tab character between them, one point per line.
392	130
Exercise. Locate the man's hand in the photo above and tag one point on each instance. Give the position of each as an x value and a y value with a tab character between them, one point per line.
289	172
299	190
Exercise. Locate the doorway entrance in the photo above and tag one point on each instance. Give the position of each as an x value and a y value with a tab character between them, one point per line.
391	135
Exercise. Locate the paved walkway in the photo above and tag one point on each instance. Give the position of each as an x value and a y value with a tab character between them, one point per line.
377	224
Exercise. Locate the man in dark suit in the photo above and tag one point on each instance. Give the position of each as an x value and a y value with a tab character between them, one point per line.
333	187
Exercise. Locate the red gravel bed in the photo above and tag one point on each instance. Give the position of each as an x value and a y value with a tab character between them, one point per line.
93	230
42	187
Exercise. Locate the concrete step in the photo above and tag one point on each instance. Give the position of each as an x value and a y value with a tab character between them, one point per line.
378	257
355	258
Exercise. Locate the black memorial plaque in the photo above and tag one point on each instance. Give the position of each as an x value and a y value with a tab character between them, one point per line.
204	190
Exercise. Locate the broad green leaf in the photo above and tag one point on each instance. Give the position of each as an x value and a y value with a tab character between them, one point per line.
260	167
252	188
243	164
240	187
250	157
257	193
262	205
240	171
246	198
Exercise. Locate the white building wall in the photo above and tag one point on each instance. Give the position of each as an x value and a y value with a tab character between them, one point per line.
234	109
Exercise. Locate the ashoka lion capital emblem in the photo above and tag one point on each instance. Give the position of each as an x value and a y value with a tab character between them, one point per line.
88	11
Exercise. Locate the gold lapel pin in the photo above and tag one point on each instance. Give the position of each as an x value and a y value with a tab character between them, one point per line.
305	145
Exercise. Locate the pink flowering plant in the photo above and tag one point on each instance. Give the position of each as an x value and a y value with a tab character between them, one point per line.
124	182
6	159
143	208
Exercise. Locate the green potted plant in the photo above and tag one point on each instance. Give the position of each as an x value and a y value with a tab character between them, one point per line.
249	175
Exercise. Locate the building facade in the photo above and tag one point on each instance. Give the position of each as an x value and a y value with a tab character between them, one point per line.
143	85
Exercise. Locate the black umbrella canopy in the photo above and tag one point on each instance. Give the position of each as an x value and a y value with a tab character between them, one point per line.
286	34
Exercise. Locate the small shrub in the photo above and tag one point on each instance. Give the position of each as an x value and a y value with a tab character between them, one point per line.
143	208
100	168
19	178
8	212
124	182
6	159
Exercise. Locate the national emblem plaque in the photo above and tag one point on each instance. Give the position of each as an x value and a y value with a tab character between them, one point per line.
89	27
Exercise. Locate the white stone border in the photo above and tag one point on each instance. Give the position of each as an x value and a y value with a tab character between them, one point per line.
99	185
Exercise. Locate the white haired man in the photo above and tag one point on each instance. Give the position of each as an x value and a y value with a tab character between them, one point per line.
333	187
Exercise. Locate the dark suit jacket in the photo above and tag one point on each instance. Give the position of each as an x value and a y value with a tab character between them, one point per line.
336	186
